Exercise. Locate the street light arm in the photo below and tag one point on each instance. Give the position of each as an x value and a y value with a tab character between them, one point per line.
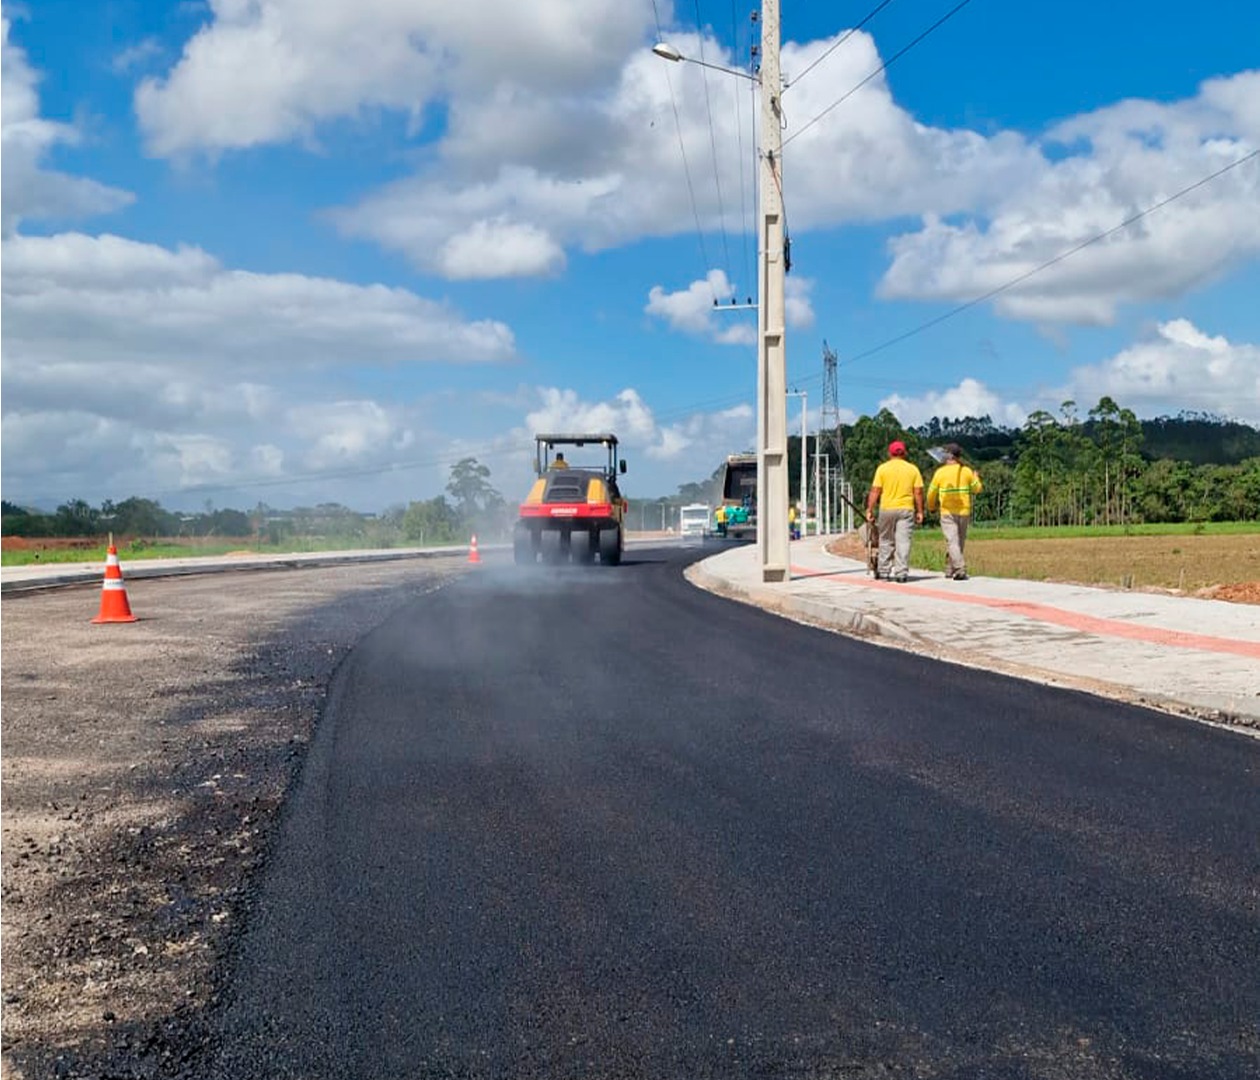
667	52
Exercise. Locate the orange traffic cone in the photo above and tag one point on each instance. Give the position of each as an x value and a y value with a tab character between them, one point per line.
473	555
114	606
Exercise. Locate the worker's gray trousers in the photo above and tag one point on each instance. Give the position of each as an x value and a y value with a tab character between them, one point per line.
896	527
954	526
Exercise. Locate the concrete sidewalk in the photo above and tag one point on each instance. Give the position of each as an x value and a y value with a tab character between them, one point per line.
1193	657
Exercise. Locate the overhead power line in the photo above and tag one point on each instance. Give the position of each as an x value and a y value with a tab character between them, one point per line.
717	172
1056	260
882	67
682	149
737	397
733	398
747	222
843	38
691	190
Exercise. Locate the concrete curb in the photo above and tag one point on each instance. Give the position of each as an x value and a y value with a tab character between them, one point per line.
18	579
827	615
881	631
75	574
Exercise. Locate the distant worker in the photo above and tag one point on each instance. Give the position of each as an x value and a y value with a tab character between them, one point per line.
897	489
794	524
559	462
719	519
953	484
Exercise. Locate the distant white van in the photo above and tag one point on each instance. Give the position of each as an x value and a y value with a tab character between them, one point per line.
693	520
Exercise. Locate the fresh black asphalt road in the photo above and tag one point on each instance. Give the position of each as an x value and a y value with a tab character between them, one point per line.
594	822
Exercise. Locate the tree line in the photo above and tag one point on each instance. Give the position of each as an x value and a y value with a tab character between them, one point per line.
1103	467
470	505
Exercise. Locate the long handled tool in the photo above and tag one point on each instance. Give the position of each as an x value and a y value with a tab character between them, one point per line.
867	533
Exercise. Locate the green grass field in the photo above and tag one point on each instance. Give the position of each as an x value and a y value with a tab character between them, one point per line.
173	550
1184	557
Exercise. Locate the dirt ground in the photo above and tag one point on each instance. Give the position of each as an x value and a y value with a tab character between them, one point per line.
142	768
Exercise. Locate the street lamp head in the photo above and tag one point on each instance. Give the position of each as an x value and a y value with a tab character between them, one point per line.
668	52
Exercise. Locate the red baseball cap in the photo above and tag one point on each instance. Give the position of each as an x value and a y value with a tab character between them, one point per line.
897	448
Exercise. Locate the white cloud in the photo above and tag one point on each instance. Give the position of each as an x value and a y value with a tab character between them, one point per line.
139	301
545	147
346	432
1123	160
661	451
137	55
605	168
199	459
266	459
272	70
500	249
969	398
797	305
136	368
704	309
869	159
564	410
1178	367
201	379
697	309
442	225
701	437
161	368
31	191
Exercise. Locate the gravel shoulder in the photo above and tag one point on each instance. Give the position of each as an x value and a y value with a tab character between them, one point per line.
143	771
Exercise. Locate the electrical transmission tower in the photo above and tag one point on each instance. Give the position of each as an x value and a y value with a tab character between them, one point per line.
831	444
829	435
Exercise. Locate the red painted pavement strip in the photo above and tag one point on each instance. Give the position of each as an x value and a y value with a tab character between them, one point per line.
1090	624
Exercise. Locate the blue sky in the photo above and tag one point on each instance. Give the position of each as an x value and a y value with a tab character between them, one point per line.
296	251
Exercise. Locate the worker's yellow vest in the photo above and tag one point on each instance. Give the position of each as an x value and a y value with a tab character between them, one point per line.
952	487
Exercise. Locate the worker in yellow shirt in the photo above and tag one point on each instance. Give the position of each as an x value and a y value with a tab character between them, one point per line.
952	486
897	489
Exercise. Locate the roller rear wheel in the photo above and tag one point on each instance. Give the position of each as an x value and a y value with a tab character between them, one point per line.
550	546
610	546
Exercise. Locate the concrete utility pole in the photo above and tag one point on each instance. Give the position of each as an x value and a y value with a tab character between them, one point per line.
772	464
772	458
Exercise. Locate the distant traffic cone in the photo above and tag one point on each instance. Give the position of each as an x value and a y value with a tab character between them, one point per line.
114	606
473	555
